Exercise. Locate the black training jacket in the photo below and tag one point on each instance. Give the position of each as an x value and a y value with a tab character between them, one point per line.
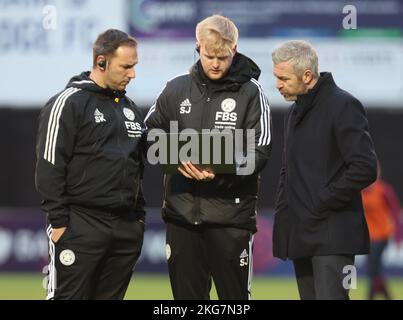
89	151
234	102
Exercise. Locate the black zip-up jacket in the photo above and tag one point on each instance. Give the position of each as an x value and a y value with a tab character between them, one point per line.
236	101
328	159
89	152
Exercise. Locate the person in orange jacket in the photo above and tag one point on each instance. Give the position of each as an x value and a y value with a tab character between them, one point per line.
382	212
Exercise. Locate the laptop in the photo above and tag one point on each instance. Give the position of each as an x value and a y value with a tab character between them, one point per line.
212	150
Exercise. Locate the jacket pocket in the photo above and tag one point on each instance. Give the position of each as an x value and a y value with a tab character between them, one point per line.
76	171
84	174
318	208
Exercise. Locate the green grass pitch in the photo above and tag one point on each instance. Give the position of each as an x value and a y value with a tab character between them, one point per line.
22	286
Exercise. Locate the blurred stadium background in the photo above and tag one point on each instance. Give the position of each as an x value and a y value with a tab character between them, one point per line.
44	42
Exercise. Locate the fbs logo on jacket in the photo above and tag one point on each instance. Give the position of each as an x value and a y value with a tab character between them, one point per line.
226	118
99	116
133	128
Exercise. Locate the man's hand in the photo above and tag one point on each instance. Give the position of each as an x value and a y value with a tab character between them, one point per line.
191	171
57	233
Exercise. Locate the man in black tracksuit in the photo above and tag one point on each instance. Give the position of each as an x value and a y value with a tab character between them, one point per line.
328	159
211	218
89	168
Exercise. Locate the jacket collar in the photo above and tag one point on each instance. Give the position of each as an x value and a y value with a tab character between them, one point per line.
84	82
307	101
241	70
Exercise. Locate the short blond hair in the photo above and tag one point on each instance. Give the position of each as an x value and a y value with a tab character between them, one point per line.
218	33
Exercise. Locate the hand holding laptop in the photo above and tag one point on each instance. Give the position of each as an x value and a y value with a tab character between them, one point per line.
195	171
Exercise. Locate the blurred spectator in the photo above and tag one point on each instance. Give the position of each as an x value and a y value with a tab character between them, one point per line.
382	211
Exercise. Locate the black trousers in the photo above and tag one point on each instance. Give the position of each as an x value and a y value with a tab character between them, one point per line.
199	254
95	256
322	277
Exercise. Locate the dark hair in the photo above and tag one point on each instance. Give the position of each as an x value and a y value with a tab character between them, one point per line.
108	41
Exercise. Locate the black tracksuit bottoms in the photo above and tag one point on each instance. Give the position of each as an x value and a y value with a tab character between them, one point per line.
95	256
198	255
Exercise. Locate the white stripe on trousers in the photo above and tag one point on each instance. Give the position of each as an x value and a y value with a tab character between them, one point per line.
250	272
53	124
51	268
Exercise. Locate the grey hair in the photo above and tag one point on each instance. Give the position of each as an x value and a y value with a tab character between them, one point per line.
302	55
